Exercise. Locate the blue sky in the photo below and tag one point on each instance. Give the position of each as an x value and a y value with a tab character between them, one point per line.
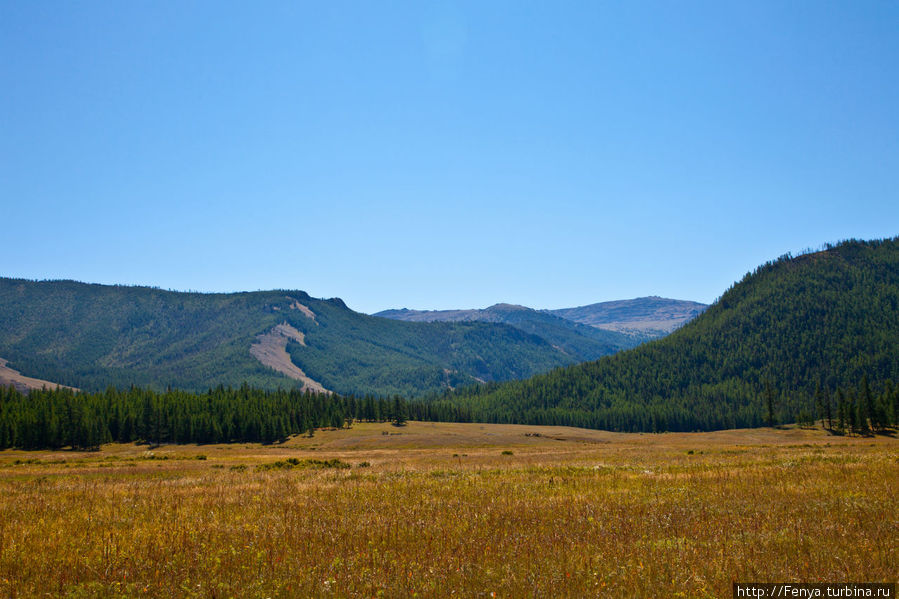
442	155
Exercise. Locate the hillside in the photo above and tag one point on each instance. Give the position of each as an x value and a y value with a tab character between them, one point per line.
92	336
829	318
649	317
579	341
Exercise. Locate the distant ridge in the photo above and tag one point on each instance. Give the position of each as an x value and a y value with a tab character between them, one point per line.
652	316
494	312
579	341
639	319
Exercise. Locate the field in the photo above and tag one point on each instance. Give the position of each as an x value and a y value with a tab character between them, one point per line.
438	510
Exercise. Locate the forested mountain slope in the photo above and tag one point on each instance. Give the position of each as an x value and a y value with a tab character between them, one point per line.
92	336
581	342
828	318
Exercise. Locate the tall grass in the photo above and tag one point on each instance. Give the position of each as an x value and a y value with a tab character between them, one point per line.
575	521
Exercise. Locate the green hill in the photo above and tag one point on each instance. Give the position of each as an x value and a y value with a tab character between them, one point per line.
829	318
92	336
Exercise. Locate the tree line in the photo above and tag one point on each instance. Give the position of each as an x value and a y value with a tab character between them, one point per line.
860	411
57	418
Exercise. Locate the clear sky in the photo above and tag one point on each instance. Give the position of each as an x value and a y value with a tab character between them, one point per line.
442	155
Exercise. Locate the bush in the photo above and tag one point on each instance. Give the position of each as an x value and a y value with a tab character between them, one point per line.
296	463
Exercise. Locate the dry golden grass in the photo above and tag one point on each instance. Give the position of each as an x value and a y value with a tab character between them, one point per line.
445	509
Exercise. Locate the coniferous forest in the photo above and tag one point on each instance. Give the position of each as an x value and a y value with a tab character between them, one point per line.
63	418
793	337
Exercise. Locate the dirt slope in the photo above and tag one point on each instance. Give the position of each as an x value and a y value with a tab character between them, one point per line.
271	349
8	376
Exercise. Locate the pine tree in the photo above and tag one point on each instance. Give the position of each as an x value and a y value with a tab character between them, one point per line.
895	394
400	414
891	399
769	403
879	416
864	407
145	423
842	410
819	401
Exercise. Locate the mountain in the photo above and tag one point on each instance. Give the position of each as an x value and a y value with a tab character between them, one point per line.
624	323
579	341
829	318
644	316
91	336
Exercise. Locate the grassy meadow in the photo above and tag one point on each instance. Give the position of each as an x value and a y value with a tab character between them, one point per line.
440	510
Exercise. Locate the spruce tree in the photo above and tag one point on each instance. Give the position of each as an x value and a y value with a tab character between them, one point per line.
852	412
400	414
842	410
865	406
819	401
769	403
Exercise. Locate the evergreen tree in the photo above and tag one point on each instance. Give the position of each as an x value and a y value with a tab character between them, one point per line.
400	414
842	411
769	403
819	400
895	395
828	409
880	418
865	406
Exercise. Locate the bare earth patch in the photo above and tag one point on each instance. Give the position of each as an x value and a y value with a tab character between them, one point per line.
304	309
8	376
271	349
